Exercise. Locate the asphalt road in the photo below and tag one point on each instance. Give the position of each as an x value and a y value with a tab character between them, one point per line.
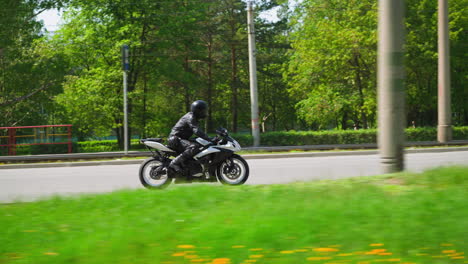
35	183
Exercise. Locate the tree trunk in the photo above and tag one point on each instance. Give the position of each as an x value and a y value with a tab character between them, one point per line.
209	123
145	89
358	79
186	88
234	88
119	134
344	121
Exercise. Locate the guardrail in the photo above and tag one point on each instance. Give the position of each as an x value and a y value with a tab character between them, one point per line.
113	155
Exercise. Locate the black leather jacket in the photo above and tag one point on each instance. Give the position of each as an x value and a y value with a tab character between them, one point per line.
188	126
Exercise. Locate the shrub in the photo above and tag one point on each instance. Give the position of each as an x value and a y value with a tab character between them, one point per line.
299	138
278	138
460	133
106	146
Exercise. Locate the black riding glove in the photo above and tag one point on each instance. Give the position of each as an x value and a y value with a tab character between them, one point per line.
215	140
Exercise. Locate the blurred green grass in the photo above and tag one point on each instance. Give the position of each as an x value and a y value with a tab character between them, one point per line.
398	218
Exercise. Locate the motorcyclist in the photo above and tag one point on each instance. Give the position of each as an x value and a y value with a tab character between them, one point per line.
182	131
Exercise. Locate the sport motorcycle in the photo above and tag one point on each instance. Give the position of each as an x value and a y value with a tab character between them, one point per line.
216	161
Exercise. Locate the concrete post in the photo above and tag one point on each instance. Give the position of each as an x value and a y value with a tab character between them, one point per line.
253	76
444	128
125	68
125	83
391	90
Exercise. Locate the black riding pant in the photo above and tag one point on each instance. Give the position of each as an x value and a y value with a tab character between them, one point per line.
183	147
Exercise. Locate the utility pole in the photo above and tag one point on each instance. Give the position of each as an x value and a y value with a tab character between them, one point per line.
125	68
391	90
253	76
444	128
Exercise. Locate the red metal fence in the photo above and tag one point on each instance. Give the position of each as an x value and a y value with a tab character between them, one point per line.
12	137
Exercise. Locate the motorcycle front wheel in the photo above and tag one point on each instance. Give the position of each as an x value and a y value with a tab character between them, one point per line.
234	171
152	175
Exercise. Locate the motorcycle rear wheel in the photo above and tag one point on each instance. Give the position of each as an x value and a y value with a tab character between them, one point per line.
149	178
235	175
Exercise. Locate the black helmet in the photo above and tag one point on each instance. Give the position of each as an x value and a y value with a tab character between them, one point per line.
199	108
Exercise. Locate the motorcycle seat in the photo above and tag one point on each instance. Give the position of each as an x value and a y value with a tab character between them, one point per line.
159	140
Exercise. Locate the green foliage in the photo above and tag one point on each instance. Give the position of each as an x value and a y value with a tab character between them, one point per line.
90	102
176	57
332	66
29	75
399	214
300	138
316	65
105	146
421	60
278	138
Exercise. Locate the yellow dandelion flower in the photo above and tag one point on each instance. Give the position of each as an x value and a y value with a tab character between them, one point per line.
325	249
448	251
238	246
256	256
250	261
179	254
376	251
256	249
198	260
458	257
191	256
185	246
446	245
318	258
386	254
221	261
51	253
376	245
345	254
287	252
359	253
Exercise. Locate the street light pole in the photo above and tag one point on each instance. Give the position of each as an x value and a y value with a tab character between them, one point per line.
253	76
391	90
444	128
125	68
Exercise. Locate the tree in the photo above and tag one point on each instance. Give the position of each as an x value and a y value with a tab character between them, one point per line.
276	105
332	67
333	63
29	76
421	60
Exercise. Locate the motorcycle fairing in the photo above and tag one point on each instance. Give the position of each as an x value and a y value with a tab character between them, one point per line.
158	146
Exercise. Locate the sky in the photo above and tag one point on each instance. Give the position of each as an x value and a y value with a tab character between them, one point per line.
51	19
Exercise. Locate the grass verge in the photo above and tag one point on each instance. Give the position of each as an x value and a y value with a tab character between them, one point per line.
399	218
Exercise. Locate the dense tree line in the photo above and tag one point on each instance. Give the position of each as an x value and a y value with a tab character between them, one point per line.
316	64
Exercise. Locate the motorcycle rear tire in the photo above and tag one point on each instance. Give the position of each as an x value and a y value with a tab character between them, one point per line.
144	178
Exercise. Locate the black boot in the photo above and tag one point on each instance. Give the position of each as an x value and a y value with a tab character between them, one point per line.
177	163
